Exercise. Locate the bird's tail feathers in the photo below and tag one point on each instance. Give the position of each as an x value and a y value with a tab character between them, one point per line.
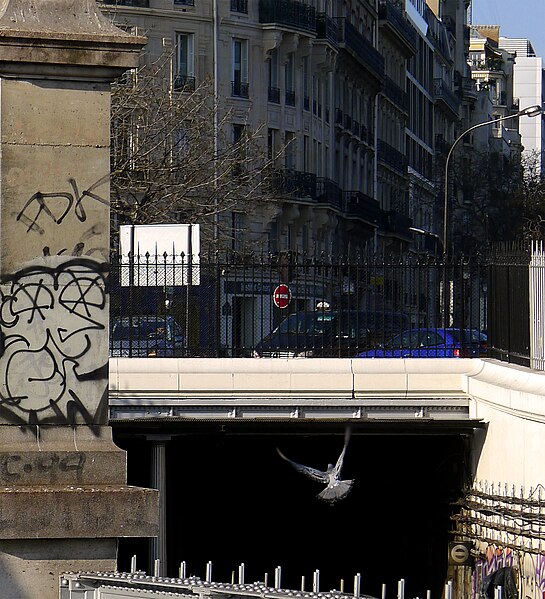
333	494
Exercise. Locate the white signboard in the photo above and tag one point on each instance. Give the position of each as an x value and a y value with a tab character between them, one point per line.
161	255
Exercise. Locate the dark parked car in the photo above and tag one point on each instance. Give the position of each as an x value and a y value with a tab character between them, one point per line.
432	343
327	334
146	337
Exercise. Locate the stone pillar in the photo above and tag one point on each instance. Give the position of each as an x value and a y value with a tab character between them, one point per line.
64	500
159	482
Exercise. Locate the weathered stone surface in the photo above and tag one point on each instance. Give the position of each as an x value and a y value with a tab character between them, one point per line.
60	456
75	512
40	37
31	569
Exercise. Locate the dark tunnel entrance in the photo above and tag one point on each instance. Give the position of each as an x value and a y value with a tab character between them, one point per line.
231	499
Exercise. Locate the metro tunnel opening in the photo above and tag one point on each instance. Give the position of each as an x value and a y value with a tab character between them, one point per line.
231	499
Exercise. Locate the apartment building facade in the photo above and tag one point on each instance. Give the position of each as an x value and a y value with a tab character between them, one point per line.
361	96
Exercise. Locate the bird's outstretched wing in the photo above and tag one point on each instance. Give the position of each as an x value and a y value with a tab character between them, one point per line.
312	473
340	460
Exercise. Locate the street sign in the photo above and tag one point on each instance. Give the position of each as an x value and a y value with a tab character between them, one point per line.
459	553
282	296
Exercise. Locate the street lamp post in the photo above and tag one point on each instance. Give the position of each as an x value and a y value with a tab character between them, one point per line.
531	111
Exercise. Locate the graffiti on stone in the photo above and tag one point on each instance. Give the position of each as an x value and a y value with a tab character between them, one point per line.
53	207
53	342
15	468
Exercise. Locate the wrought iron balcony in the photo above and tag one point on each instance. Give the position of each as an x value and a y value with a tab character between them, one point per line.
394	93
297	184
239	6
390	156
184	83
288	12
360	47
359	205
240	89
443	93
326	29
469	88
274	95
393	16
328	192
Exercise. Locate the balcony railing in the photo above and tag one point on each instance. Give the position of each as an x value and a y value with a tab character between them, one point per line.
395	93
442	92
326	29
184	83
239	6
395	19
391	156
274	95
295	183
240	89
184	2
360	47
359	205
328	192
288	12
469	88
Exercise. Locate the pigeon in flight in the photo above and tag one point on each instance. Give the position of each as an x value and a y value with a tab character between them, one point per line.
336	488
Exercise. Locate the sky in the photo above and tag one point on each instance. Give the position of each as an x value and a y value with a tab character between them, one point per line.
517	18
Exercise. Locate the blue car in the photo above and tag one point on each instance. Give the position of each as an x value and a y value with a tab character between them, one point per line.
431	343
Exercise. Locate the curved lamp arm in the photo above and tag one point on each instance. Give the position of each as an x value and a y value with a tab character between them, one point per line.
531	111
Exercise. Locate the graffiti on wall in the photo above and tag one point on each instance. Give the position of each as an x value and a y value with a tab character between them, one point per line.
495	557
528	566
53	342
54	313
54	207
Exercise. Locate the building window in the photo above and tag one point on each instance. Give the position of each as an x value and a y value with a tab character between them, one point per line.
289	159
239	149
184	79
306	84
290	81
274	91
237	231
239	6
183	3
240	68
272	143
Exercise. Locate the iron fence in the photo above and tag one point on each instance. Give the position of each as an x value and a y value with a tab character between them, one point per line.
229	305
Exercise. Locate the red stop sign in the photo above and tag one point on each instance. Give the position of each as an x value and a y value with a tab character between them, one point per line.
282	296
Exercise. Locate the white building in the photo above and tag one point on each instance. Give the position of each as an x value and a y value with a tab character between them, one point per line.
528	86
